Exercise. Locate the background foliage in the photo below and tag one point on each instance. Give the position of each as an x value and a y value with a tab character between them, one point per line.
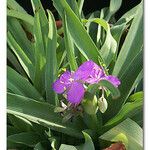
38	52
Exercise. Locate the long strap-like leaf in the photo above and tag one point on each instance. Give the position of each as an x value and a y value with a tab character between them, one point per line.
41	113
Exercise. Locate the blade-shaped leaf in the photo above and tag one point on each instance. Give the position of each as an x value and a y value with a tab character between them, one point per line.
11	130
67	147
129	64
113	8
87	145
74	6
117	31
19	15
80	5
132	45
104	83
69	46
41	113
37	7
26	138
21	55
14	61
19	34
21	124
20	85
128	110
92	28
51	61
128	132
78	32
39	54
42	146
12	4
127	83
88	142
109	47
129	15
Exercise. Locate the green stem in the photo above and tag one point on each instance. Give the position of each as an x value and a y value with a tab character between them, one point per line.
92	122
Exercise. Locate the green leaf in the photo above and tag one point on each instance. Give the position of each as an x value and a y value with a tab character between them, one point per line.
138	118
74	6
41	28
87	145
114	5
21	124
13	145
129	109
132	45
14	61
22	57
101	32
88	142
80	5
104	83
117	31
109	47
129	64
128	132
67	147
113	8
92	28
139	82
20	36
136	97
38	8
51	61
12	4
20	85
39	54
20	15
40	113
11	130
78	32
127	83
129	15
39	146
69	45
26	138
43	145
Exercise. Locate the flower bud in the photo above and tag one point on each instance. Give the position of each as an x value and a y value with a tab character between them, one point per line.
89	104
102	104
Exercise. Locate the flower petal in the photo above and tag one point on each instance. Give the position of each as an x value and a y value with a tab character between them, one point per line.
65	77
75	93
62	83
84	70
96	74
58	87
114	80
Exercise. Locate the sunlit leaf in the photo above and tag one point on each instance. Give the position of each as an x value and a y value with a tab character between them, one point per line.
128	132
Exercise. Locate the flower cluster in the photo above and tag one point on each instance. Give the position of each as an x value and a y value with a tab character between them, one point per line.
72	83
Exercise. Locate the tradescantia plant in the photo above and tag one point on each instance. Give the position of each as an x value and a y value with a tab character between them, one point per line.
77	87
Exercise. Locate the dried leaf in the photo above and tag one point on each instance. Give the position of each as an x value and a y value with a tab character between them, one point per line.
116	146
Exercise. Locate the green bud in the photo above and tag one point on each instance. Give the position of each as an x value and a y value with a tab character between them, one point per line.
89	104
102	104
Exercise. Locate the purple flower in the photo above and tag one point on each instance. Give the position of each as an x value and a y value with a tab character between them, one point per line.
114	80
72	82
95	73
74	89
